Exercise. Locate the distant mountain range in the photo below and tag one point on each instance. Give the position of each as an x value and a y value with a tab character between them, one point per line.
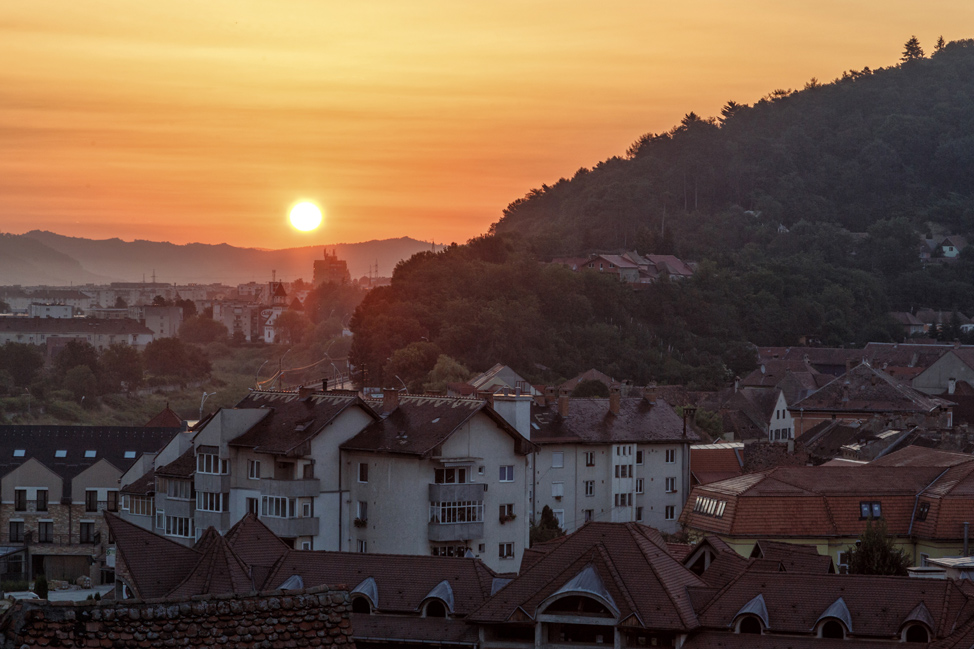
40	257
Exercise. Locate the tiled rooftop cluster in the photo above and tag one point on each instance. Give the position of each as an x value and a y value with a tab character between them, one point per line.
316	617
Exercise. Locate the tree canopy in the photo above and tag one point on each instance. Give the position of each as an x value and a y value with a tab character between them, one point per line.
876	553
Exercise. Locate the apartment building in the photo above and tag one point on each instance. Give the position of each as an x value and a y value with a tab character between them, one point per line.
441	476
56	482
328	471
611	460
98	333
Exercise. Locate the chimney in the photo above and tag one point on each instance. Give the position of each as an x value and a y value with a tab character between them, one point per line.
649	393
737	383
324	385
550	395
615	400
304	392
564	401
390	399
951	385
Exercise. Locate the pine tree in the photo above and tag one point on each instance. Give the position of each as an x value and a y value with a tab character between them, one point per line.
875	553
912	50
547	527
940	44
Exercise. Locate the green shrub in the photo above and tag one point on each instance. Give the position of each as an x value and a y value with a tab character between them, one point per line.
14	585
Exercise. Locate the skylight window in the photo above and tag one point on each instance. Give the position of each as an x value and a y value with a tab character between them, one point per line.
91	453
19	452
61	453
129	455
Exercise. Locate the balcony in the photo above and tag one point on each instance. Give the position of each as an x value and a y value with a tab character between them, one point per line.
205	519
212	483
468	492
455	531
306	488
291	527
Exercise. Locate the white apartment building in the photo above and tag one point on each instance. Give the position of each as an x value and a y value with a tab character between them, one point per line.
611	460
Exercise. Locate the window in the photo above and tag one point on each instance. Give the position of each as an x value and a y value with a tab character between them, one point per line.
505	551
923	559
19	452
91	500
557	460
623	500
670	455
90	453
842	562
178	526
160	519
507	473
363	472
589	459
141	505
588	514
590	487
639	457
253	469
639	485
179	489
87	532
20	500
42	500
207	501
709	506
623	471
278	506
463	511
129	455
870	509
670	512
45	532
305	545
16	531
212	464
363	545
557	489
922	511
506	512
112	504
639	513
560	517
671	485
450	476
307	509
61	453
252	506
362	510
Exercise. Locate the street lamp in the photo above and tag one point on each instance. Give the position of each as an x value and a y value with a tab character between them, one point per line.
280	369
203	400
256	381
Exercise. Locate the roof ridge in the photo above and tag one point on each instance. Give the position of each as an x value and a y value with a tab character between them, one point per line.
665	583
617	577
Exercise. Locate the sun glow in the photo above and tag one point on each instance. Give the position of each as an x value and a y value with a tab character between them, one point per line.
305	216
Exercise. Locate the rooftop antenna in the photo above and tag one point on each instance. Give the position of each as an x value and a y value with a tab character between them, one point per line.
153	275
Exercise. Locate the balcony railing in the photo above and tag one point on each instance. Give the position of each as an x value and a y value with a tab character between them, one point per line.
303	488
469	491
31	537
291	527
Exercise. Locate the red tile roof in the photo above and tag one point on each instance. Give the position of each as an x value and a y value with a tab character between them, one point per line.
145	485
590	422
867	390
155	564
167	418
183	466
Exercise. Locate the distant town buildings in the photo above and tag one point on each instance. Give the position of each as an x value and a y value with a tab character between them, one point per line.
331	269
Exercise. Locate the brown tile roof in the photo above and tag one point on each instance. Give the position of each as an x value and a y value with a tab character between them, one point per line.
795	602
294	419
724	568
255	544
793	557
724	639
316	617
824	501
219	570
647	585
183	466
590	422
144	486
920	456
711	460
867	390
73	326
167	418
156	564
588	375
774	370
402	581
421	423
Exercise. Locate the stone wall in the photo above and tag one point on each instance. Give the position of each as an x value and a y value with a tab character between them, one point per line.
316	617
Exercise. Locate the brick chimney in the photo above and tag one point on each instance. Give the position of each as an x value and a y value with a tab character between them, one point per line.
615	400
390	399
550	395
564	401
304	392
649	393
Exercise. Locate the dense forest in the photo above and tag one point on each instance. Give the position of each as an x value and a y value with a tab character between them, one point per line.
804	213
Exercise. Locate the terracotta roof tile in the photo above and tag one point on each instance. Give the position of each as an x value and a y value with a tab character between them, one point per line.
155	563
590	422
145	485
167	418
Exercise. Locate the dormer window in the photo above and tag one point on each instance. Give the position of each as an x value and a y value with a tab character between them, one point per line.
870	509
19	452
916	633
922	511
129	455
61	453
831	629
749	624
91	453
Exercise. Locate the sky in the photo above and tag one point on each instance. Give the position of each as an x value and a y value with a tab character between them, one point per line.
206	121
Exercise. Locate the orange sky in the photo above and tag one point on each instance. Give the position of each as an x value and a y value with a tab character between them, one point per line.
204	121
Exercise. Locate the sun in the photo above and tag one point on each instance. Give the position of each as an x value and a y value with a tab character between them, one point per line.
305	216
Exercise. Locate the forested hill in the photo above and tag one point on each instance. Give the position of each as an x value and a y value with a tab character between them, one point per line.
804	212
866	148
